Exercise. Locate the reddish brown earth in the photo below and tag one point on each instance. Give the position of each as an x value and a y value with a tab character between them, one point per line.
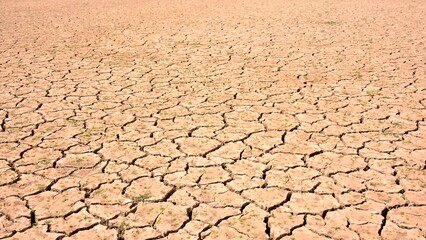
193	119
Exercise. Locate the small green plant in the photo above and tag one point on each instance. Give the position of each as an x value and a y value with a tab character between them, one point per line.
386	132
72	121
371	92
331	22
123	225
141	197
357	74
305	76
195	44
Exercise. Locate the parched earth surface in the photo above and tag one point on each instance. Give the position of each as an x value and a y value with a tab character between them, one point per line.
212	119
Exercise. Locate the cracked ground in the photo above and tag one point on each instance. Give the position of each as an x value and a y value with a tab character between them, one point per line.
191	119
